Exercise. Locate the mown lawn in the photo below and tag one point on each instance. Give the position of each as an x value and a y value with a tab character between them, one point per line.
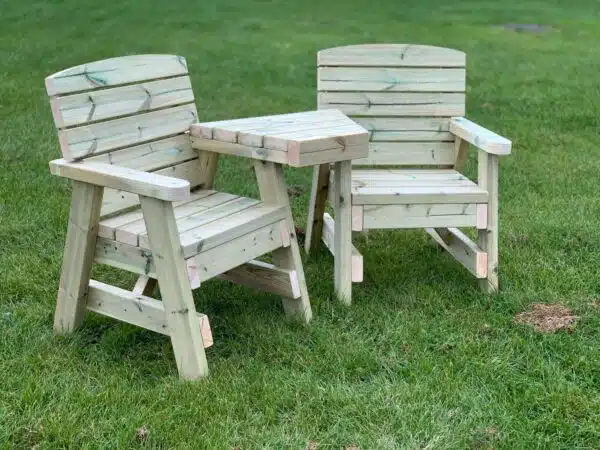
421	359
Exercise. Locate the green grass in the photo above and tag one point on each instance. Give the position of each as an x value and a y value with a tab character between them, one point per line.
421	359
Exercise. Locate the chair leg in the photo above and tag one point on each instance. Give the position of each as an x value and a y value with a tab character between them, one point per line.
273	190
316	208
145	286
175	288
488	238
342	242
79	251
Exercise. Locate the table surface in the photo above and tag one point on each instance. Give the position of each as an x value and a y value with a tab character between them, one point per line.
298	139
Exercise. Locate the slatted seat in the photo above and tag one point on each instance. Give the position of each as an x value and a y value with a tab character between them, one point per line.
410	99
143	201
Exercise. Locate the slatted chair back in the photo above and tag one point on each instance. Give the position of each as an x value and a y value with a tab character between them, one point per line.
403	94
132	111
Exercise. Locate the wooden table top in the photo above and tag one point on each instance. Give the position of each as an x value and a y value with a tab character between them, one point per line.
297	139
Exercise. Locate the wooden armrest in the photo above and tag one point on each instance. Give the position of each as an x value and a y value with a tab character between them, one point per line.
480	137
123	179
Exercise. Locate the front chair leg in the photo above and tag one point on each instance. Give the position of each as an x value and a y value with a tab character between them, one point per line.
273	190
175	288
488	237
79	251
316	208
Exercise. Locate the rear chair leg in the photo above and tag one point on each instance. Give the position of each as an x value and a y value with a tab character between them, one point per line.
316	209
273	190
79	251
175	288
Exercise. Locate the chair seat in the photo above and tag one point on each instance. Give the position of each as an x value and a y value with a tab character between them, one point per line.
413	186
205	220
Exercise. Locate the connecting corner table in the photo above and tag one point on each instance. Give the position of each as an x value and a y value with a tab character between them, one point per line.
298	140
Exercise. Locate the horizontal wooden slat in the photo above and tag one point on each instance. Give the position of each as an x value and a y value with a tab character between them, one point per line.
81	142
419	216
151	155
235	252
419	194
364	79
138	310
439	124
79	109
245	151
409	153
115	71
391	55
114	200
394	103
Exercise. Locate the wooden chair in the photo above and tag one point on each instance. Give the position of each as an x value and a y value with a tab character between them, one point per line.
411	99
143	201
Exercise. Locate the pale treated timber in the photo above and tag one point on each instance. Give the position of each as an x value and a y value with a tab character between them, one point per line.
138	310
145	286
233	253
121	178
420	194
488	237
461	151
419	216
342	240
115	71
316	208
99	137
175	288
465	251
102	104
79	250
480	137
273	191
391	55
328	239
408	154
265	277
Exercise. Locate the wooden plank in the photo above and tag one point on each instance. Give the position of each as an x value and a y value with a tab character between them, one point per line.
394	103
138	310
265	277
115	71
391	55
235	252
408	124
408	174
80	109
328	239
461	150
488	172
145	286
316	208
116	200
480	137
421	194
365	79
213	234
150	156
273	191
408	153
342	240
462	249
78	256
134	259
107	227
175	288
325	138
351	152
130	232
229	148
419	216
414	183
121	178
95	138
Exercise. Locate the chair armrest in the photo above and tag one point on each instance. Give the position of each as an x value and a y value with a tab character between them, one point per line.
480	137
123	179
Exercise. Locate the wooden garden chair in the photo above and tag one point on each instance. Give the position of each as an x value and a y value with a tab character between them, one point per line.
143	201
411	99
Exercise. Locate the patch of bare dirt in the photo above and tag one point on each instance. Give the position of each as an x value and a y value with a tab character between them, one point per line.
547	318
141	434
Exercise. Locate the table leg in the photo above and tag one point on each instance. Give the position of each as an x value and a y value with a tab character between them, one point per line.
343	231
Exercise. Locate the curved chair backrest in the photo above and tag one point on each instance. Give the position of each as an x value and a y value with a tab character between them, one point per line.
132	111
403	94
